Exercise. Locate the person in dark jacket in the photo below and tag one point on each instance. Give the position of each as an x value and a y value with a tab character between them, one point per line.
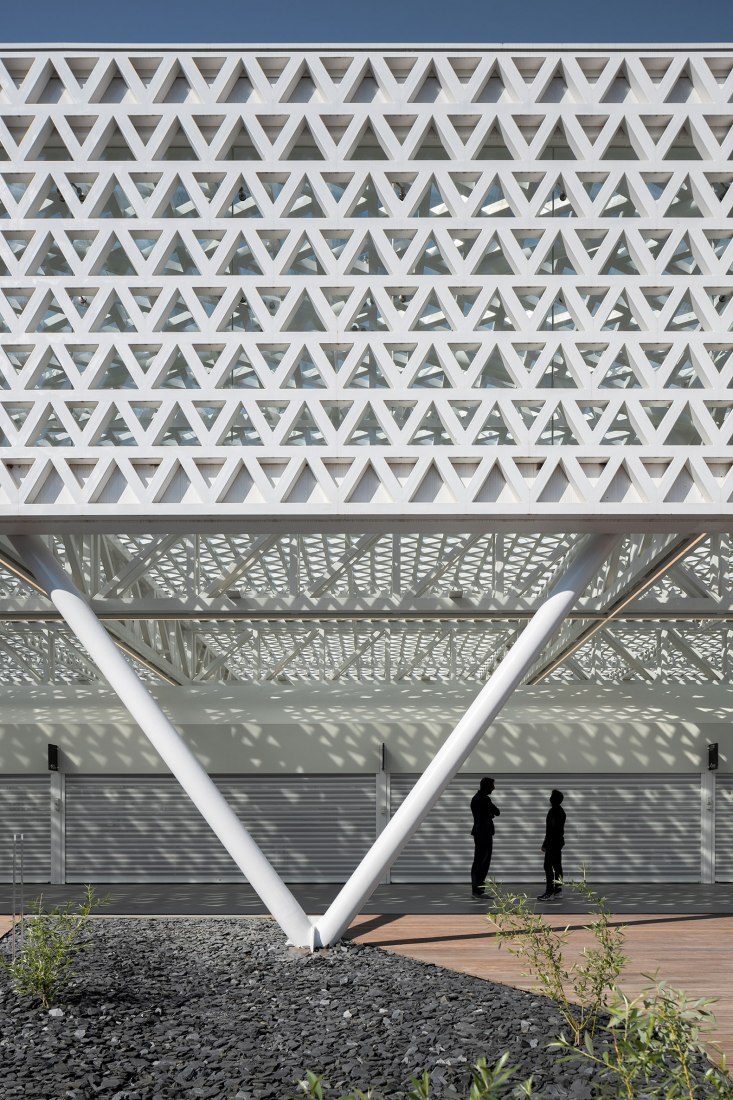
552	846
484	811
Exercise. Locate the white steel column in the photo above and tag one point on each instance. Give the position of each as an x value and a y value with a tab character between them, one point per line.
58	826
202	791
463	740
707	830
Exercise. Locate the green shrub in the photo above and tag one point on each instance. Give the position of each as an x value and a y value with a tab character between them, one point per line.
653	1047
487	1083
582	990
50	940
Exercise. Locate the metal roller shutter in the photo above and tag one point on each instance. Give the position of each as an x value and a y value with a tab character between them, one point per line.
723	828
25	808
146	829
624	828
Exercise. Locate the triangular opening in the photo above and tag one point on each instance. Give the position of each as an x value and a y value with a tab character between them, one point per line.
431	431
304	203
430	146
620	374
368	431
494	432
621	316
305	317
368	146
304	374
557	431
304	431
369	202
114	375
684	204
430	260
240	317
241	261
176	145
113	204
178	432
432	316
621	431
494	146
557	146
178	260
683	260
620	204
620	261
495	317
556	260
177	375
494	374
684	431
493	260
179	317
113	145
494	202
50	145
368	374
683	146
241	203
239	145
431	373
240	374
431	203
115	317
303	146
114	260
619	146
367	261
53	318
303	260
557	374
178	203
684	374
684	318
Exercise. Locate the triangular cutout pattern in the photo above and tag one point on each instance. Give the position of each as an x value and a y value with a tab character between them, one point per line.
366	258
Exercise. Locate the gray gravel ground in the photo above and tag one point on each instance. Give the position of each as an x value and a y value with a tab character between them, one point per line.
223	1008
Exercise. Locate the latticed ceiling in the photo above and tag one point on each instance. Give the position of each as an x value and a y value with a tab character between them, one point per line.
241	285
371	607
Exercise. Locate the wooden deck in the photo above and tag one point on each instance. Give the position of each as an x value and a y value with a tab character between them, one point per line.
689	952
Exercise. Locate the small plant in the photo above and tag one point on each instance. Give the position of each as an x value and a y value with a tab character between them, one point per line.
652	1047
487	1083
50	941
582	990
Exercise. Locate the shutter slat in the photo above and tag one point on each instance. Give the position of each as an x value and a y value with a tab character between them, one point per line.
624	828
25	808
723	828
146	829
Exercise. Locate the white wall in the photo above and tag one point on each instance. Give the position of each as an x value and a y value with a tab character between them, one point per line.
270	728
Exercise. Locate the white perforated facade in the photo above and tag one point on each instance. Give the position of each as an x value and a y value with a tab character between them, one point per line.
352	389
240	286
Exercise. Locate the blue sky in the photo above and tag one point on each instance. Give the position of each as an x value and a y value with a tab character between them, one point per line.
404	21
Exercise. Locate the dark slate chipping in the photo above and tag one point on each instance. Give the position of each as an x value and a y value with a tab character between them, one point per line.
223	1008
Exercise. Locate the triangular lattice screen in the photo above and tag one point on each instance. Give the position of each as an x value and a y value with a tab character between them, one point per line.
465	283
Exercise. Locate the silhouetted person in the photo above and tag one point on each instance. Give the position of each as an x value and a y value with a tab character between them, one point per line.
484	811
552	847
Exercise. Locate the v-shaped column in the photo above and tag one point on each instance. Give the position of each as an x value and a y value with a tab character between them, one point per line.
214	808
464	739
200	788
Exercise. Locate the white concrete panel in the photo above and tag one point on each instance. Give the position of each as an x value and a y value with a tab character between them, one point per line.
270	728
